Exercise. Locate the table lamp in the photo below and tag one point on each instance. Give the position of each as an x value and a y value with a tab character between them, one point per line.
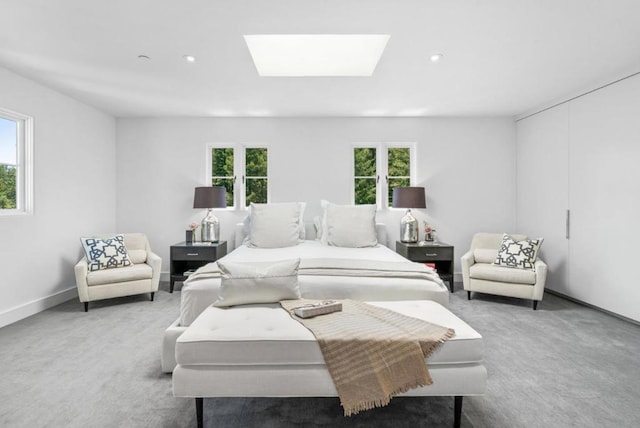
210	197
409	197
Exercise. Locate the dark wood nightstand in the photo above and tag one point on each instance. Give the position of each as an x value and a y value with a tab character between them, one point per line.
440	254
186	256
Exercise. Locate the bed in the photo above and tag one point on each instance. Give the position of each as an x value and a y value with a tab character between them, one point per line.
374	273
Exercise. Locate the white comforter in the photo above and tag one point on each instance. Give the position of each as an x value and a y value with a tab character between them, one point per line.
373	274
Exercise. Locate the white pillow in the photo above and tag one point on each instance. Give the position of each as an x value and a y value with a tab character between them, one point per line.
263	282
246	228
484	255
275	225
352	226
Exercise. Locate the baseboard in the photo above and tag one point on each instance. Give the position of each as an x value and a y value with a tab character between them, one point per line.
164	276
589	305
35	306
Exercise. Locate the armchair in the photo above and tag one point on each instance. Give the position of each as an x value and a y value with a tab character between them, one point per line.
143	276
480	275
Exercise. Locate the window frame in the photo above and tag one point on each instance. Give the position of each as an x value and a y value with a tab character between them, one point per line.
23	165
382	169
239	171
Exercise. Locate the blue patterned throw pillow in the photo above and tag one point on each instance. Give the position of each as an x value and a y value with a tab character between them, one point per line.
518	254
106	253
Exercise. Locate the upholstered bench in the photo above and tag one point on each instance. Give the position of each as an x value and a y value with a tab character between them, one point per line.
256	351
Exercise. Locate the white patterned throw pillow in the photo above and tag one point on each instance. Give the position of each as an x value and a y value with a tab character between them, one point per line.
518	254
106	253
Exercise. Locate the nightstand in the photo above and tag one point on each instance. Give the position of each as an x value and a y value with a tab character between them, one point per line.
187	256
440	254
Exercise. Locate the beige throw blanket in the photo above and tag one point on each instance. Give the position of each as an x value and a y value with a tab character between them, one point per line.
372	353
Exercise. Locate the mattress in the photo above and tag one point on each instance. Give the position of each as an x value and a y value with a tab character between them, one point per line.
198	294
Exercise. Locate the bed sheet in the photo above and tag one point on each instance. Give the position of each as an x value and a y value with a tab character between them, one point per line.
198	294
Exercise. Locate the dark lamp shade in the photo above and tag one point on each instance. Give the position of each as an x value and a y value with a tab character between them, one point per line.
210	197
409	197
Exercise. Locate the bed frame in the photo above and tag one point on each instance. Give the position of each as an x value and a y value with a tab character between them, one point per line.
207	367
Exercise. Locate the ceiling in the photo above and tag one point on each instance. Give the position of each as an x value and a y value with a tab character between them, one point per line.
501	57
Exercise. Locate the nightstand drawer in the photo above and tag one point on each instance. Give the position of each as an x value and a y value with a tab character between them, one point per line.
193	253
430	253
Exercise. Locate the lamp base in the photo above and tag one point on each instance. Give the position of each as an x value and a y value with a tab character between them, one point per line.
409	228
210	228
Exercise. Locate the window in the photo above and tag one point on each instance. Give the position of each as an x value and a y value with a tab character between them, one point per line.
243	171
256	175
398	170
379	169
222	171
366	176
16	132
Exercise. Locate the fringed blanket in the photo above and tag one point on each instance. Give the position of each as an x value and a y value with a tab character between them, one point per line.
372	353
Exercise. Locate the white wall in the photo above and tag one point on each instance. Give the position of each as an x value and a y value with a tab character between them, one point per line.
466	164
74	195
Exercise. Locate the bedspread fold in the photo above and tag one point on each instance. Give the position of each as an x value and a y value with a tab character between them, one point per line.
345	267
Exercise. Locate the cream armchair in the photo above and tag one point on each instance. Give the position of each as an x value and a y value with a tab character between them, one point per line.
479	274
143	276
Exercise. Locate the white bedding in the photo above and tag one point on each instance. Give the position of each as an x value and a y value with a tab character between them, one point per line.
199	293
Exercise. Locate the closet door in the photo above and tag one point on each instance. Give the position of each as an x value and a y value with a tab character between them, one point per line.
604	194
542	190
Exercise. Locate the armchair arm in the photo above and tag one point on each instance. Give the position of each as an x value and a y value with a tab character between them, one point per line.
466	261
541	279
81	269
155	262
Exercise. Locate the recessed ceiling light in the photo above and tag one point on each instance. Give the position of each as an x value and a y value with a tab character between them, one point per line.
189	58
306	55
436	57
144	57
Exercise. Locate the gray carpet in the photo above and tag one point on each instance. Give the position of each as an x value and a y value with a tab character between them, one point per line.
563	365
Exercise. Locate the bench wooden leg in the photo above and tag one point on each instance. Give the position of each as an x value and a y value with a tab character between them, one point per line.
199	412
457	411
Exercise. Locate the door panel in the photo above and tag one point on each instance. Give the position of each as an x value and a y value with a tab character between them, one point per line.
542	193
604	195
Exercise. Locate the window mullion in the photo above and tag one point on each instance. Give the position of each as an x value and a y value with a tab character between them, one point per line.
239	173
383	184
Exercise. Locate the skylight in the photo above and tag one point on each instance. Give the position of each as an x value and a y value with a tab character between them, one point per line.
315	55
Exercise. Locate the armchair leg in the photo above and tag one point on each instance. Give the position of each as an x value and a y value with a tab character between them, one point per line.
535	305
86	306
152	294
468	295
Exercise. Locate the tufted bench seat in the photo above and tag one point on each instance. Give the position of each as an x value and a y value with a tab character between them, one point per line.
256	351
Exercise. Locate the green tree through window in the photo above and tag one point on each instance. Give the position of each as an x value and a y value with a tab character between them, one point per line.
365	175
8	163
256	175
371	181
398	169
7	187
222	171
250	184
